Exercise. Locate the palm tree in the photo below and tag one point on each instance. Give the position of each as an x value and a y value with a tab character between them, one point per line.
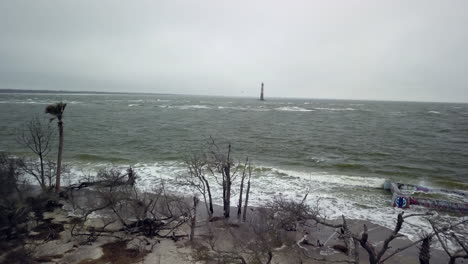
56	110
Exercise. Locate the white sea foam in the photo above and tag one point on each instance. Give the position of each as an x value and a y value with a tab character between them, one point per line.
335	109
335	179
31	101
24	102
186	107
433	112
335	195
233	107
241	108
293	109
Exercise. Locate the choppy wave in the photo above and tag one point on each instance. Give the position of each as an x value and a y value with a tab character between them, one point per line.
188	107
335	109
233	107
293	109
30	101
241	108
398	113
23	102
97	158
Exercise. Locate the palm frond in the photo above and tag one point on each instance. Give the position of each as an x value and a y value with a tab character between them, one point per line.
56	109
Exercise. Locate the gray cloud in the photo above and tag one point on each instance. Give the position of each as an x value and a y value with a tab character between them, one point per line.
394	50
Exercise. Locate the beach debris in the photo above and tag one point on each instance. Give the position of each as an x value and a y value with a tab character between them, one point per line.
403	198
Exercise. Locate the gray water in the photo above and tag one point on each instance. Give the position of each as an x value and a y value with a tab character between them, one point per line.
342	150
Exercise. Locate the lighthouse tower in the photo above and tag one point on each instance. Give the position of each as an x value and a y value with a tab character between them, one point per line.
261	94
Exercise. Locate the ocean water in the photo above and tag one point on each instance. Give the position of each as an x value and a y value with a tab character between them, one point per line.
341	151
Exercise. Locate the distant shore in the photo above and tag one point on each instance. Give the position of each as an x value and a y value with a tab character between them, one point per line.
21	91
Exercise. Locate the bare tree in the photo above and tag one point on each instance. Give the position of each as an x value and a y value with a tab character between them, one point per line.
37	136
455	235
221	165
14	211
196	177
375	256
10	177
154	214
289	212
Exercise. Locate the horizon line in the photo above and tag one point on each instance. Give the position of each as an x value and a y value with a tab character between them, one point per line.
42	91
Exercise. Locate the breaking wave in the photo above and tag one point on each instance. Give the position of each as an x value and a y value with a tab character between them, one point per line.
360	198
335	109
293	109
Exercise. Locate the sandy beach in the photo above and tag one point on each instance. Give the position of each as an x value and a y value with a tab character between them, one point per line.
229	237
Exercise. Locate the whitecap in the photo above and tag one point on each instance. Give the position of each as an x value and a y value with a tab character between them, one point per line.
335	109
433	112
235	108
188	107
293	109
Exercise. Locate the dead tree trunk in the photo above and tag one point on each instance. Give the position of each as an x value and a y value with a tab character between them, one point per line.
227	184
375	256
239	206
244	217
425	250
351	245
210	199
270	257
193	221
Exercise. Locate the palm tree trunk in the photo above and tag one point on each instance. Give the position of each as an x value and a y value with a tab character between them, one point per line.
59	157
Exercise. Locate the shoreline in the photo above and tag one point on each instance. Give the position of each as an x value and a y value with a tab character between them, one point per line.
227	233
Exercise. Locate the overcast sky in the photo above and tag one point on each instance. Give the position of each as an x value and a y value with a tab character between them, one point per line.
390	50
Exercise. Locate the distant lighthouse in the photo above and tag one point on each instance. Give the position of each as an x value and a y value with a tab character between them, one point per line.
261	94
